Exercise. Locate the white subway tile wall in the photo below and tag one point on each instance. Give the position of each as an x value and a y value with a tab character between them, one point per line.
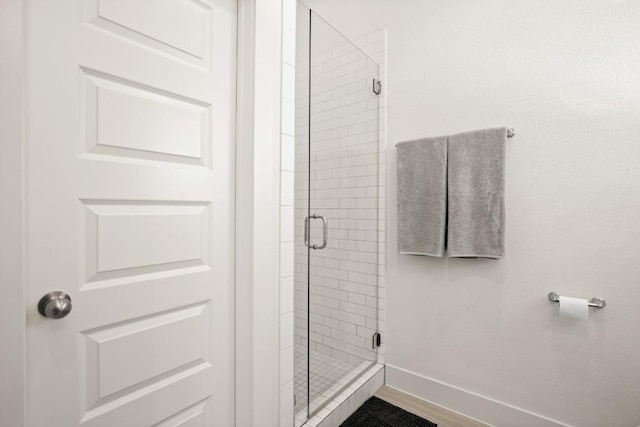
286	212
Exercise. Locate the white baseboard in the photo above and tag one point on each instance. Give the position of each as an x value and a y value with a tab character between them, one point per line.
482	408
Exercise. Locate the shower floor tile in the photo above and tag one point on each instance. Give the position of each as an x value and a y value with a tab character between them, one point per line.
328	375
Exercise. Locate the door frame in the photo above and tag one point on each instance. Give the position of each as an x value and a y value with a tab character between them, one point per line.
12	209
258	134
257	210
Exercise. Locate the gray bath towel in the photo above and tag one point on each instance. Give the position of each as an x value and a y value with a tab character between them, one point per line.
476	215
422	196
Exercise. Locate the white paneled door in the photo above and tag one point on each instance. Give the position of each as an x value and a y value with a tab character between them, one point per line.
130	117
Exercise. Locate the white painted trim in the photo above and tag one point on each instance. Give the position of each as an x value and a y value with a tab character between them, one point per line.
266	249
258	213
244	212
12	278
465	402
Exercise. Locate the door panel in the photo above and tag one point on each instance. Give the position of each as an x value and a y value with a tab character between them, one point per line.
130	195
179	28
125	239
126	119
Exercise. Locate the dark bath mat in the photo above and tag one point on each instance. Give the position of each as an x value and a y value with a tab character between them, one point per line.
378	413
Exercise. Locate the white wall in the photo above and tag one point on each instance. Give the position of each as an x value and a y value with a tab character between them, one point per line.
565	75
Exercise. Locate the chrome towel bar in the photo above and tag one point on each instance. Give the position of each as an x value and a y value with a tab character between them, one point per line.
511	132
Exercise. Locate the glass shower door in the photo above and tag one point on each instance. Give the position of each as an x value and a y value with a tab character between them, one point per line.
336	213
342	218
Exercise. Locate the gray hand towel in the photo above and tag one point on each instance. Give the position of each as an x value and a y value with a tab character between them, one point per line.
422	196
476	214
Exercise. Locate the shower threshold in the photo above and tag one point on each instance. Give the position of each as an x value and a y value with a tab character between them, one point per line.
328	377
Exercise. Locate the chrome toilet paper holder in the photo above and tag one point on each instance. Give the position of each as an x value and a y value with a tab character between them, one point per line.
593	302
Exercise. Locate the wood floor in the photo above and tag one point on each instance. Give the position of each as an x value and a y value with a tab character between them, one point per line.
437	414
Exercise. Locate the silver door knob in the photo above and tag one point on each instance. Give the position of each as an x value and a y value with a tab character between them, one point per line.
55	305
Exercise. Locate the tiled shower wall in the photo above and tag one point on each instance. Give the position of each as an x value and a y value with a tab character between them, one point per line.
348	187
287	152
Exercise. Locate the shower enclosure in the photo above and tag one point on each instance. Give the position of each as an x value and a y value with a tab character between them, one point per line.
336	213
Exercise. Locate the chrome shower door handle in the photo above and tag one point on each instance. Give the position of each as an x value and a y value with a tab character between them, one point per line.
306	231
325	232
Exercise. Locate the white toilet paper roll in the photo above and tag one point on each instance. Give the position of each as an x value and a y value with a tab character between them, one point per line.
576	308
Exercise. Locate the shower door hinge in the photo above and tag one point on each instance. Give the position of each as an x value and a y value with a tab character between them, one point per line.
376	340
377	86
